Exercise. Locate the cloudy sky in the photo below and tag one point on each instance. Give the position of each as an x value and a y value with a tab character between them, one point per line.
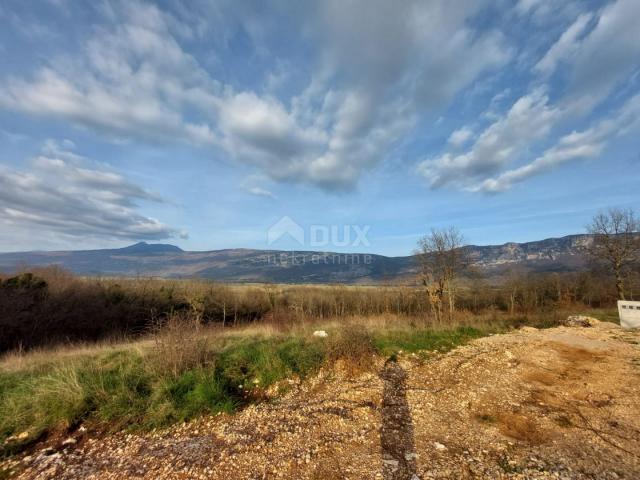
203	123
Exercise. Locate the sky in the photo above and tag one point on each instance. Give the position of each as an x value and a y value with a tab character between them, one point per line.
342	125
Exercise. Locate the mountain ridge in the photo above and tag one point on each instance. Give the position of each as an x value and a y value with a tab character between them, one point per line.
555	254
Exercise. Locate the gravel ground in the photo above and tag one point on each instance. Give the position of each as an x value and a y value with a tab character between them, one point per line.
562	403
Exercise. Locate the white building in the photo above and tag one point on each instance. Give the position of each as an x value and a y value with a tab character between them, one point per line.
629	314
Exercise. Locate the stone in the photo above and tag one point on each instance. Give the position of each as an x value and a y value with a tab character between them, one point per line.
580	321
320	333
527	329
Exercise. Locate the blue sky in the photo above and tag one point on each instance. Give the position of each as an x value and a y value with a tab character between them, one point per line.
203	123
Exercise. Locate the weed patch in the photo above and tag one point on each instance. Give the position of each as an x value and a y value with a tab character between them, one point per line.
387	343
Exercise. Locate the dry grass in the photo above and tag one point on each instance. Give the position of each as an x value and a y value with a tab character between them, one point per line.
353	347
179	345
521	427
39	358
214	335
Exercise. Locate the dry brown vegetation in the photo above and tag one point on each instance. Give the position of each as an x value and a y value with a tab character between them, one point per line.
179	345
48	306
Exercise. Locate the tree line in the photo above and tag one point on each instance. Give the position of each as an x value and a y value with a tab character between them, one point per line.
613	251
49	305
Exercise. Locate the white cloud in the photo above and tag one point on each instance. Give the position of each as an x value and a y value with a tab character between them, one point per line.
379	76
460	137
576	145
13	136
62	196
254	185
546	11
530	118
132	80
525	6
565	151
372	80
377	69
607	55
29	26
597	59
566	46
260	192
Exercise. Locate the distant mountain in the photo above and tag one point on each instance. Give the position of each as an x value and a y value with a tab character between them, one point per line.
245	265
144	247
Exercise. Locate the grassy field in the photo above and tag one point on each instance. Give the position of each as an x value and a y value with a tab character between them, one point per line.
183	370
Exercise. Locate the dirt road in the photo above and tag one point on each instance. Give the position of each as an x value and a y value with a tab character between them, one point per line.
558	403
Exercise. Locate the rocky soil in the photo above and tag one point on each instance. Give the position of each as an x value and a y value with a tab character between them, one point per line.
562	403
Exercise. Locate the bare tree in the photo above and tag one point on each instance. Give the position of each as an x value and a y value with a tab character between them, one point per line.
616	242
441	257
513	283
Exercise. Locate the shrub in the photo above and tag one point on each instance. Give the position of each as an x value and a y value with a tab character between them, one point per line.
353	345
24	281
179	345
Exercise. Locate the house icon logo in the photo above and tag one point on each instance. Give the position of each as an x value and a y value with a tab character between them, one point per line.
286	226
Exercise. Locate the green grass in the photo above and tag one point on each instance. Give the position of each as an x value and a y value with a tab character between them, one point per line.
260	363
410	341
123	389
606	315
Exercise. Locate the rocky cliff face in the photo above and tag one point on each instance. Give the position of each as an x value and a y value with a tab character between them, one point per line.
244	265
561	253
